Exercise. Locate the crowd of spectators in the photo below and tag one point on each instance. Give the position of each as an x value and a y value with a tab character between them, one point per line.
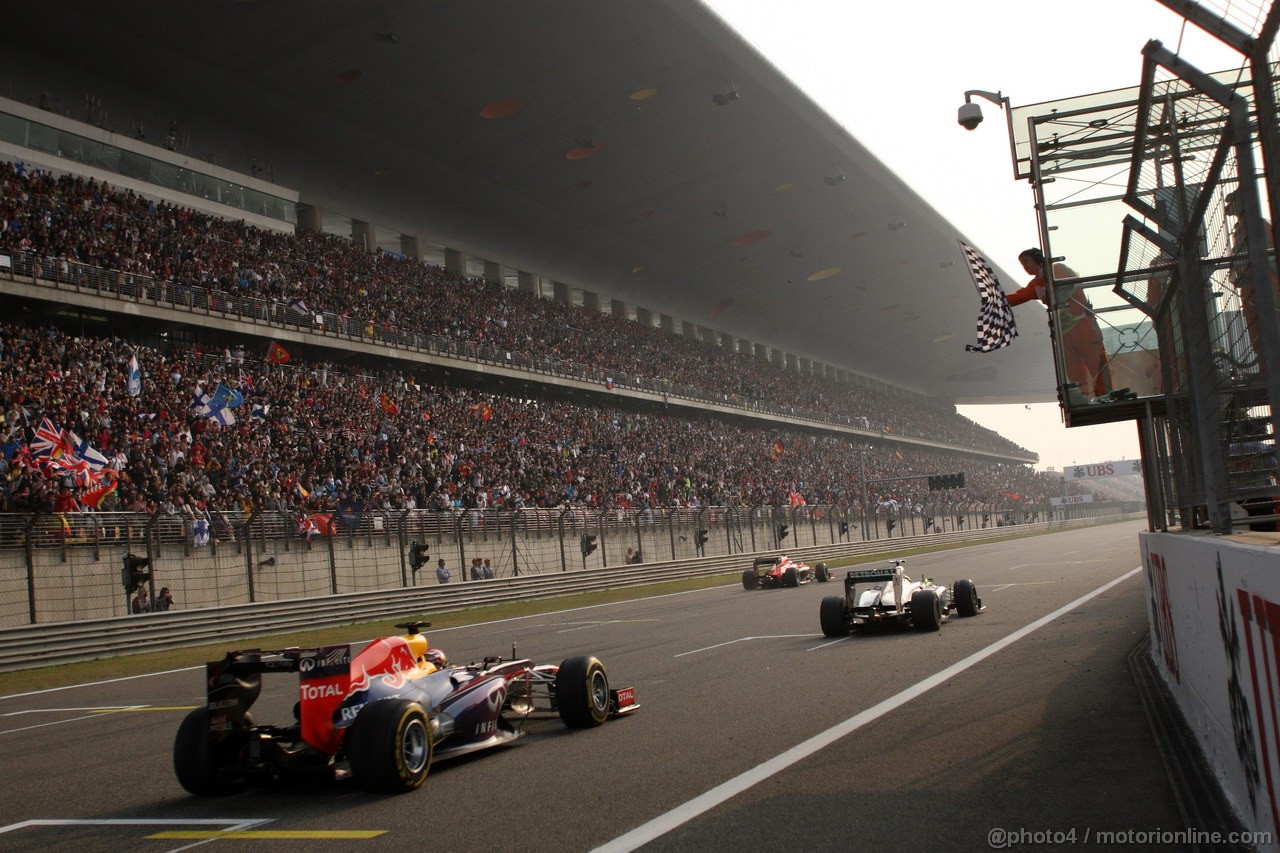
310	435
68	219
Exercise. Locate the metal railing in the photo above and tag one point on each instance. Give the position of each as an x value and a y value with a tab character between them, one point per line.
32	646
68	567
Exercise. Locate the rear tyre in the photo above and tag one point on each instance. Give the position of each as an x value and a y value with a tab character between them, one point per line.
390	746
926	610
582	692
789	577
831	615
822	573
196	759
750	580
966	595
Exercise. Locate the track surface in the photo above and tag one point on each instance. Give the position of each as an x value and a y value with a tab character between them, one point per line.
1046	733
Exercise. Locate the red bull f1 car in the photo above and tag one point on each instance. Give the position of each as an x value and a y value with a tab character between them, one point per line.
780	571
380	717
887	597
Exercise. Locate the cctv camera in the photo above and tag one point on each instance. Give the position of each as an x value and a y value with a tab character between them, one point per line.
969	116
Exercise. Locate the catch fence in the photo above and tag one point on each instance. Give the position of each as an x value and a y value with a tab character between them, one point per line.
68	567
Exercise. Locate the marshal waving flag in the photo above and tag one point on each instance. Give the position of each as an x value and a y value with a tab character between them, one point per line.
996	327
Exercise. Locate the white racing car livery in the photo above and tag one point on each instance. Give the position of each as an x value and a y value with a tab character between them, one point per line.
887	597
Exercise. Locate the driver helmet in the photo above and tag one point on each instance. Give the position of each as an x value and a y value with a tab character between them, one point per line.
436	657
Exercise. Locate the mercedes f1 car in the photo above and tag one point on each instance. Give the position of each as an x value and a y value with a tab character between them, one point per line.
886	597
380	717
774	572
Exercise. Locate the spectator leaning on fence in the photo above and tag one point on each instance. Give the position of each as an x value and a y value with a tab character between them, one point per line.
443	575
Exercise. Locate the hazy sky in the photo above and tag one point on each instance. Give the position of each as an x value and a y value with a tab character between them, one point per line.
893	74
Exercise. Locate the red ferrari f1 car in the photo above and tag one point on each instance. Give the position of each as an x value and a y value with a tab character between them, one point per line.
380	717
774	572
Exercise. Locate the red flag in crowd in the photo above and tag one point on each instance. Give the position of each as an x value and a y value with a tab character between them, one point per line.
388	405
95	497
277	354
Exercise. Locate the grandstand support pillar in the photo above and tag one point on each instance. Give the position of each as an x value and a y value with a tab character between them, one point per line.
760	351
689	330
310	218
644	317
782	358
455	262
591	301
728	341
409	247
528	283
804	365
362	234
560	293
745	346
493	272
618	308
706	334
665	321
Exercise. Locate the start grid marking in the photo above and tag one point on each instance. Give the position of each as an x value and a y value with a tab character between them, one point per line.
246	828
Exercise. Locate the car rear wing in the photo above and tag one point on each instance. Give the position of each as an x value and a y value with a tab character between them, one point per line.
871	575
765	561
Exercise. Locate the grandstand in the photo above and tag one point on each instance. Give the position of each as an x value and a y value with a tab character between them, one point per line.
186	260
193	345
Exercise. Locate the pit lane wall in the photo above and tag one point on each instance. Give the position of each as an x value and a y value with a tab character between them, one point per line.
1214	607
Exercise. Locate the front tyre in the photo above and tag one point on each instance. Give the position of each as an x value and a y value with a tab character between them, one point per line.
966	595
790	578
822	573
196	759
582	692
926	611
390	746
831	615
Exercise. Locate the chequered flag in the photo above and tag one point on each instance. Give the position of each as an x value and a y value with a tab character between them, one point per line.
996	327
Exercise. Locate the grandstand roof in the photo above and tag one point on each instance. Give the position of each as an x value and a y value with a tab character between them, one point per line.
636	148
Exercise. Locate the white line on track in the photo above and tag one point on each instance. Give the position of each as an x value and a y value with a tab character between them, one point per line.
682	814
232	824
434	631
741	640
100	708
1002	586
236	823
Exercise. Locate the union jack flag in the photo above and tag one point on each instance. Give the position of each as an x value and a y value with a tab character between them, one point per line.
48	440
